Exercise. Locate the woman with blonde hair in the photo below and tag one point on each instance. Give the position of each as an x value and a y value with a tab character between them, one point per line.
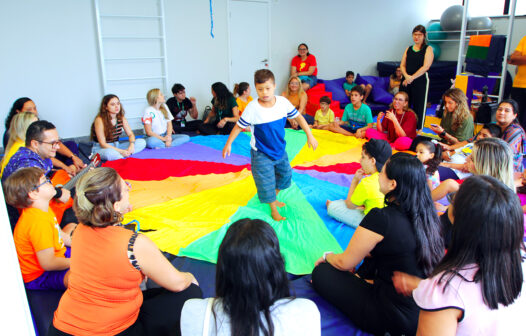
490	156
157	123
457	123
109	264
298	98
17	135
108	126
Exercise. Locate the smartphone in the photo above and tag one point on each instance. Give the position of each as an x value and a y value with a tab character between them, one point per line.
434	125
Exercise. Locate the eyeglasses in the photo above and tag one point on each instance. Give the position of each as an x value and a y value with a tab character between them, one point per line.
41	184
53	143
302	49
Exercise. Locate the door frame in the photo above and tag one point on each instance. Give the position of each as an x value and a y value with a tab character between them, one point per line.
229	29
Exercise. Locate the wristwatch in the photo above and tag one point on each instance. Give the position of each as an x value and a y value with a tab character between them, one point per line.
443	134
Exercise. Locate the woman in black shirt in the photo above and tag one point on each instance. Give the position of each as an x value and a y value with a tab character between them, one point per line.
403	235
417	59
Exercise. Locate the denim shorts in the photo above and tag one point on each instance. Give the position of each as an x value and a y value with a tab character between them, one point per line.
270	175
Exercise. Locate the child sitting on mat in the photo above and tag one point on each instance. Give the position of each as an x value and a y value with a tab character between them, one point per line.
349	84
364	193
40	244
430	154
357	117
266	117
324	116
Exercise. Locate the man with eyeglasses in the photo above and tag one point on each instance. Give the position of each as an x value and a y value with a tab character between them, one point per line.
42	142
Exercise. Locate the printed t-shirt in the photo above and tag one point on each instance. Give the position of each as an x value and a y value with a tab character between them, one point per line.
357	118
156	119
347	86
23	158
179	110
268	126
241	105
367	193
305	65
520	78
35	231
324	119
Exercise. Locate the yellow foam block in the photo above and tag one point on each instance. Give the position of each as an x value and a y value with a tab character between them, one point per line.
329	143
145	193
461	82
431	120
183	220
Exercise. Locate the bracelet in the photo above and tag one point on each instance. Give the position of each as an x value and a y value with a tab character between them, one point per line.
325	254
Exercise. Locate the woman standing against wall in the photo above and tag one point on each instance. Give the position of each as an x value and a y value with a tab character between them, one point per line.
416	61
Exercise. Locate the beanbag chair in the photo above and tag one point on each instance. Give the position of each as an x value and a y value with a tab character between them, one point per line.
336	87
379	91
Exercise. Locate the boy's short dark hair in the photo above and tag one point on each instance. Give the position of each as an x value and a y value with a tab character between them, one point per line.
19	184
325	99
177	88
378	149
359	89
494	129
348	73
263	75
36	130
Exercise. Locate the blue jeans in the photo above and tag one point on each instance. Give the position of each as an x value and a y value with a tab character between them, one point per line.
270	175
177	139
109	154
311	80
339	211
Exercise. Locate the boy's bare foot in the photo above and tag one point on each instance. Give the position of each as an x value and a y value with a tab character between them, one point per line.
276	216
280	204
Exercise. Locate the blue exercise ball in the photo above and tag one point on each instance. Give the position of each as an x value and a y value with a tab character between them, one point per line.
451	19
434	32
480	23
436	50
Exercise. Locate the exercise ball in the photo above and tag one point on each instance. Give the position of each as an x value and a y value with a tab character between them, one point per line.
436	50
451	19
480	23
434	32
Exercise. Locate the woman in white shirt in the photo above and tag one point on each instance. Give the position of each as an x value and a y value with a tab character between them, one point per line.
157	123
252	290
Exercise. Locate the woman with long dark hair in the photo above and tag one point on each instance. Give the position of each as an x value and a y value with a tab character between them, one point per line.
416	61
252	290
475	289
403	236
304	66
23	104
107	128
224	114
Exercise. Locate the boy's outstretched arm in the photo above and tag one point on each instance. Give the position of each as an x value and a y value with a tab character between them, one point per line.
311	140
233	135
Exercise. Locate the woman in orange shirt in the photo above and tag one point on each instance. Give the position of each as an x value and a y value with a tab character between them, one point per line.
298	98
108	265
242	92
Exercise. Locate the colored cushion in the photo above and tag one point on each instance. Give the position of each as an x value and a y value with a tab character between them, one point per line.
336	87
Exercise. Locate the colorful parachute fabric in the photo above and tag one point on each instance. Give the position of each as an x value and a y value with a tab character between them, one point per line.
186	197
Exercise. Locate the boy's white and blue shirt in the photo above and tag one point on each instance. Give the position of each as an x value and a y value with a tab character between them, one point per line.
267	125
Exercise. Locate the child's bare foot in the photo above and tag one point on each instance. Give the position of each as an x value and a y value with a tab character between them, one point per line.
276	216
280	204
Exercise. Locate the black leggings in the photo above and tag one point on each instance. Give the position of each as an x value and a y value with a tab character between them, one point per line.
212	129
363	303
417	92
160	313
